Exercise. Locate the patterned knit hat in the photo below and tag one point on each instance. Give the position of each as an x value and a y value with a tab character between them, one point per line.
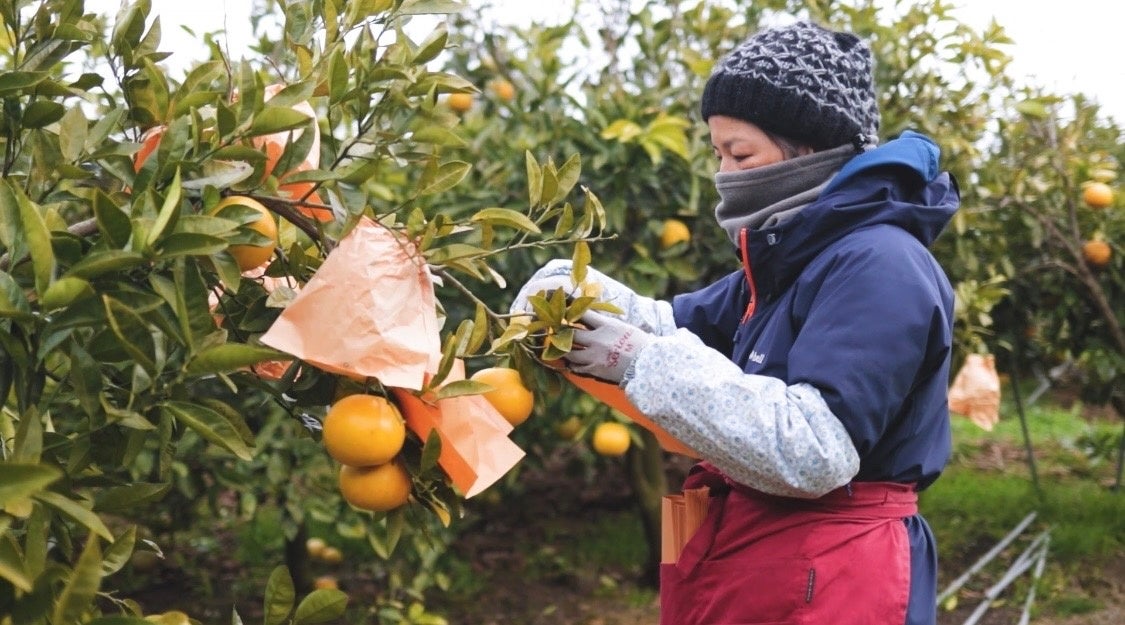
802	82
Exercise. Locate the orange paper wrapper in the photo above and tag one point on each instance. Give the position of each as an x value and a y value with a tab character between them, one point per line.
369	311
475	448
614	397
975	391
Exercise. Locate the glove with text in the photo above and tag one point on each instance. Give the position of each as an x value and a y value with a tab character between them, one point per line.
606	347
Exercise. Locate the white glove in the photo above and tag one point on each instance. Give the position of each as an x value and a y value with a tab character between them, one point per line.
606	347
646	313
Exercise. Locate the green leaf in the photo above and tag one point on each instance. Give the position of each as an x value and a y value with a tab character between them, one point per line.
273	119
102	262
462	387
447	253
63	292
190	244
77	512
280	596
132	332
430	7
209	424
447	177
321	606
42	112
623	130
507	217
14	82
118	553
72	134
113	222
432	46
534	179
122	498
568	176
11	560
129	25
38	241
13	302
85	378
480	329
230	357
78	595
20	481
431	450
338	76
168	211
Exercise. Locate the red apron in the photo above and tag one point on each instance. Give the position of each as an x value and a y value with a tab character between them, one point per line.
759	559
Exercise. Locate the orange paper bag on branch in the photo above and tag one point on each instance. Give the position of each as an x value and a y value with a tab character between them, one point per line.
975	392
369	311
475	448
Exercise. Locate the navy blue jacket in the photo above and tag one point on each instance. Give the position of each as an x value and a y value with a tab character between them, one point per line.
846	296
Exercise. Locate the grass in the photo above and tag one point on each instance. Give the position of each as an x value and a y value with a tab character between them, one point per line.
988	489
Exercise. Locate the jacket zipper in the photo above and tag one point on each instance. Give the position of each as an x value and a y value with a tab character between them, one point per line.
744	247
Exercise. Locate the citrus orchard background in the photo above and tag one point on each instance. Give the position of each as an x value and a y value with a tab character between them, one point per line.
153	227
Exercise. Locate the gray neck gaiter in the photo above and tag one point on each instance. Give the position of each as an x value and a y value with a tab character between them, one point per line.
767	196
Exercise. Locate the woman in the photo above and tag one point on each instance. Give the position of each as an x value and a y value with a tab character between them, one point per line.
812	380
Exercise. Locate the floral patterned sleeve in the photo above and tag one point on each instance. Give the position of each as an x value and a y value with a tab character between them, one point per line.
779	439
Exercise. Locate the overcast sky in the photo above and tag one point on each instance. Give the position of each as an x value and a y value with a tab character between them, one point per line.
1068	46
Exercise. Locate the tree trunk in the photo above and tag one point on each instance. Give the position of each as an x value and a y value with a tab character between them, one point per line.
646	473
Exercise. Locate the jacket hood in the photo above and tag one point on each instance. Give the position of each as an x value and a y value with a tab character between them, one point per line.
897	183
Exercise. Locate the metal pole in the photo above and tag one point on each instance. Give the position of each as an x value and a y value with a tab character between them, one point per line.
986	558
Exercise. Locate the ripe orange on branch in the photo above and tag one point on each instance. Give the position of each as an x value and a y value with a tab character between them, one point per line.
460	102
504	90
1097	253
674	231
363	431
1097	195
611	439
508	395
251	256
379	489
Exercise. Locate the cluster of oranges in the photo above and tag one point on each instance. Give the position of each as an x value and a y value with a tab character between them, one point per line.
365	434
1099	196
504	90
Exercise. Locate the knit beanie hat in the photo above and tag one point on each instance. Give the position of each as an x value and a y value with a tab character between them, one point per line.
802	81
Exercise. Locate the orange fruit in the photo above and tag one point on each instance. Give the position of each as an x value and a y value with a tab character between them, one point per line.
508	395
315	547
326	582
1097	253
379	488
568	429
251	256
504	90
332	555
363	431
1097	195
150	140
674	231
611	439
460	102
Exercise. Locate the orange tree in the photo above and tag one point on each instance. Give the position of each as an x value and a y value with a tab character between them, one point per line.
618	83
1057	225
135	397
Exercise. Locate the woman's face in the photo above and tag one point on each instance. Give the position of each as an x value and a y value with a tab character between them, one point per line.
742	145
